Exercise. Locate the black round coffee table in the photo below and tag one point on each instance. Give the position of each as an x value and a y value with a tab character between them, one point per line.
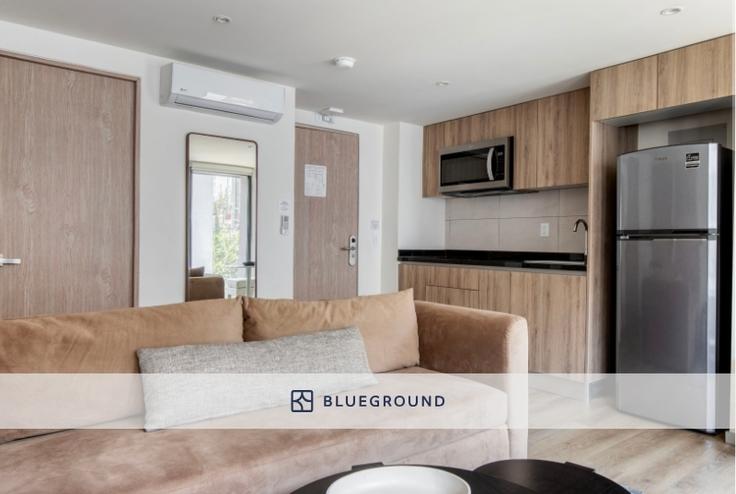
510	477
550	477
479	483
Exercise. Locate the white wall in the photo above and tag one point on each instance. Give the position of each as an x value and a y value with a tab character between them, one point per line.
370	195
655	134
421	221
162	166
390	247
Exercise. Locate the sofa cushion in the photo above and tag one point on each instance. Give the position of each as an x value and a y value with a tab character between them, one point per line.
388	324
106	341
215	461
231	461
184	389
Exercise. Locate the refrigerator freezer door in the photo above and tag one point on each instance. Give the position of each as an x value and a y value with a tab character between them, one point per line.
666	306
670	188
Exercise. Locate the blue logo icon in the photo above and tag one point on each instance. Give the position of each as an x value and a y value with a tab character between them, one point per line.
302	400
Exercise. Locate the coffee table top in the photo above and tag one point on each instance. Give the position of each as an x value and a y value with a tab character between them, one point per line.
510	477
478	483
550	477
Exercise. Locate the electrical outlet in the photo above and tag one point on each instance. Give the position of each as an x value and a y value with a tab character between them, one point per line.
544	229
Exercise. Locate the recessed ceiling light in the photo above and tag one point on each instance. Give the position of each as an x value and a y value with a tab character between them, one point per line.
344	62
222	19
442	83
671	11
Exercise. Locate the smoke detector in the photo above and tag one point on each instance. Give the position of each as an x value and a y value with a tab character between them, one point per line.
344	62
327	115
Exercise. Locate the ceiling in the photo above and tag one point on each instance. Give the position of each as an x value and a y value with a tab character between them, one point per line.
494	52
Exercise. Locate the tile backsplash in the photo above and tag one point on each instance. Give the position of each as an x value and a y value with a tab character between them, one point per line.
515	222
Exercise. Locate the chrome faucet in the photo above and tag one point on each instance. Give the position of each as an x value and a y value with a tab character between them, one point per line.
575	229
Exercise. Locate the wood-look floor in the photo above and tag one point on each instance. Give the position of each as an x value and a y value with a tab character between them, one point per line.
651	461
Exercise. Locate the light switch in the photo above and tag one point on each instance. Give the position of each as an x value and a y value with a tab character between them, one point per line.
544	229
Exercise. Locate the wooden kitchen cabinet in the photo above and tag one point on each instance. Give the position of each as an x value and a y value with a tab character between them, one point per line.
698	72
469	287
465	130
554	306
526	145
564	130
550	141
453	296
624	89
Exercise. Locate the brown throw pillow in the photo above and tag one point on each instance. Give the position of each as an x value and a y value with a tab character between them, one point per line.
388	324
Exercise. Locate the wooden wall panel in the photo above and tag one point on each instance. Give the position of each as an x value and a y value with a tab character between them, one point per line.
697	72
607	142
624	89
564	139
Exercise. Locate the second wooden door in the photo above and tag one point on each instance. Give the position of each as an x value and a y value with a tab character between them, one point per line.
325	214
67	189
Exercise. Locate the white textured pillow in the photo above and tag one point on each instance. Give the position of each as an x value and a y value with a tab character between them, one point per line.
192	383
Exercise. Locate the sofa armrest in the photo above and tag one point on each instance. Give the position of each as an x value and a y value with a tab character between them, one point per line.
461	340
471	341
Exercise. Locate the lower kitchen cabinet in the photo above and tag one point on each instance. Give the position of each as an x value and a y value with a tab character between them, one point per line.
553	304
554	307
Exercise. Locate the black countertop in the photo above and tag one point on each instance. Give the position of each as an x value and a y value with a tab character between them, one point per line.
508	259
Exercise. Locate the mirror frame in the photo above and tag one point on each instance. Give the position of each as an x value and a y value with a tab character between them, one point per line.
188	218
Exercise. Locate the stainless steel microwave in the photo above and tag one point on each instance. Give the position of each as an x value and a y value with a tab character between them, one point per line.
476	169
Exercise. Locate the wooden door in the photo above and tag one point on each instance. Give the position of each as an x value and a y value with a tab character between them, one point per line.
323	223
67	178
697	72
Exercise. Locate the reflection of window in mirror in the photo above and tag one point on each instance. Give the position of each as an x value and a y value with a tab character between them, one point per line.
221	225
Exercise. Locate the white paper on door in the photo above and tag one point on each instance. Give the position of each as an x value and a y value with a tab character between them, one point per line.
315	181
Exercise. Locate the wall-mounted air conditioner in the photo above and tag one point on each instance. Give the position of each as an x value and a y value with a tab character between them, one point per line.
195	88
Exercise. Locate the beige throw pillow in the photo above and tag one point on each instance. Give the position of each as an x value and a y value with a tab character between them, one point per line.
388	324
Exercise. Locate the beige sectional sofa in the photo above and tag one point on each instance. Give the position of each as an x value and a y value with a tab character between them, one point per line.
448	340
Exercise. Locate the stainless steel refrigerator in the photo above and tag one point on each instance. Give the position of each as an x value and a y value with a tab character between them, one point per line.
673	273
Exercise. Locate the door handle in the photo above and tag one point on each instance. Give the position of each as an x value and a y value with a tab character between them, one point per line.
352	250
489	163
5	262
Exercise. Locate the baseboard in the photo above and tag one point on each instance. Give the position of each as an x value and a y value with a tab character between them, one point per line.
576	389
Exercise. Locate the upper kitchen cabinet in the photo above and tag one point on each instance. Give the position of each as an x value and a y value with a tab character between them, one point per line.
624	89
466	130
699	72
564	129
550	141
433	134
526	145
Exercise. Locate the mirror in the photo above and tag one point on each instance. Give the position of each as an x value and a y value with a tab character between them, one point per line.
221	217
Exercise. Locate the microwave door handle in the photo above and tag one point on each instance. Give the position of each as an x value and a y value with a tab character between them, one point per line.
489	163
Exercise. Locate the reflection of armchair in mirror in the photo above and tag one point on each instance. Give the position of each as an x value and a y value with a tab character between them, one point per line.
221	217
